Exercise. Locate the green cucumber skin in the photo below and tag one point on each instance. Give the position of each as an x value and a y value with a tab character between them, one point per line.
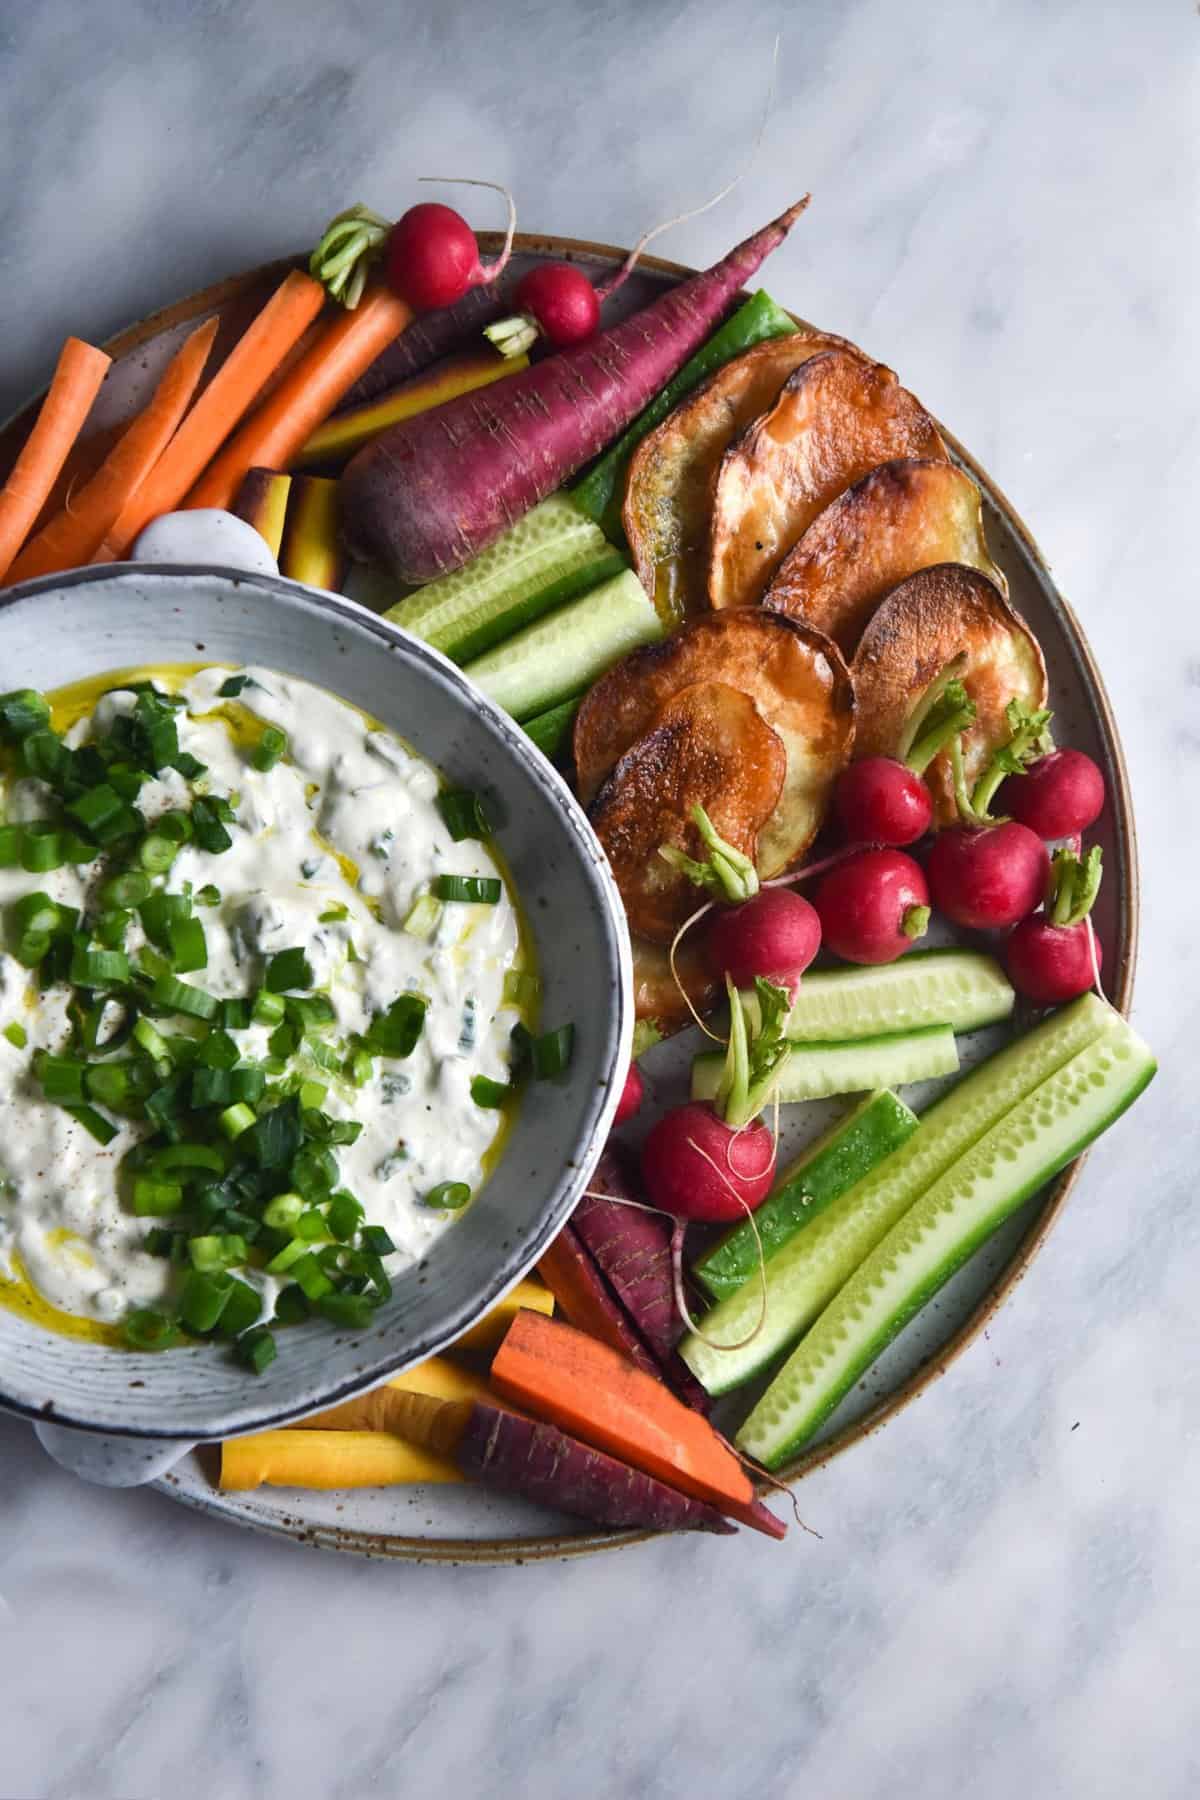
872	1130
773	1445
601	494
982	995
551	543
821	1070
552	660
550	730
526	608
805	1275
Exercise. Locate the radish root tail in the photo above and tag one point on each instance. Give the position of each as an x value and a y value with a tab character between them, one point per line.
621	275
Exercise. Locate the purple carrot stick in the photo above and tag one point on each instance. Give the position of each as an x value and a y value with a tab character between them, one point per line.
516	1455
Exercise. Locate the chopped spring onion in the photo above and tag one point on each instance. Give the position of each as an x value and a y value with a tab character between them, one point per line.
421	920
351	1310
271	746
175	826
282	1212
202	1298
159	912
151	1041
311	1277
42	849
10	846
62	1077
36	913
108	1083
112	925
219	1250
189	949
234	1014
21	712
17	1035
181	1160
208	895
288	969
375	1239
209	826
236	1120
256	1350
268	1008
242	1308
463	814
332	914
483	890
155	1199
181	997
291	1307
448	1196
488	1093
99	968
156	853
94	1123
552	1052
396	1032
343	1216
147	1329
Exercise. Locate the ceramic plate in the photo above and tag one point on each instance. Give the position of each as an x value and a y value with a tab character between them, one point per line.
465	1524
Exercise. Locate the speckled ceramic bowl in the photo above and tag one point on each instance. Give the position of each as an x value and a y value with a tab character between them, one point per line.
147	1409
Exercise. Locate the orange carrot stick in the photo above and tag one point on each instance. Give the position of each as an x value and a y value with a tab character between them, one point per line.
227	398
278	431
585	1388
76	532
81	369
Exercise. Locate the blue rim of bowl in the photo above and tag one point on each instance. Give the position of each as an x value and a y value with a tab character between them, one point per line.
606	1091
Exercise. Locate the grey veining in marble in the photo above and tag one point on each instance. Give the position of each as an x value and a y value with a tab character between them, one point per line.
1004	1598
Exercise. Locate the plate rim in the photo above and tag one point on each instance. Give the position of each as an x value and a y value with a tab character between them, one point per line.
566	1546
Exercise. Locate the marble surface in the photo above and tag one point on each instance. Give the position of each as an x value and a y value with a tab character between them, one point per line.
1004	1597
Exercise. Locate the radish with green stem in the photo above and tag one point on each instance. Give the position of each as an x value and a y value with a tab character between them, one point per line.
1058	796
430	256
1049	956
696	1166
986	879
427	496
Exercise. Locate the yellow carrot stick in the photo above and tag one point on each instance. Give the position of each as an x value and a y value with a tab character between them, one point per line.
81	369
487	1332
71	537
346	432
328	1459
385	1408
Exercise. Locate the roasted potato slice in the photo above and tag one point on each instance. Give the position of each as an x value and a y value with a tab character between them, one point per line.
795	677
902	517
837	417
669	488
934	616
656	997
708	747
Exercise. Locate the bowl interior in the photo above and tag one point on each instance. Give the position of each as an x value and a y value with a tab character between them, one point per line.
75	626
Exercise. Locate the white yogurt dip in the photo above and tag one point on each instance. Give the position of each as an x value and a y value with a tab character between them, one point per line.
331	849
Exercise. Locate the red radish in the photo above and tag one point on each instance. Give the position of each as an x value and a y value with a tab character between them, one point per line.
873	907
435	490
432	258
1050	963
1058	796
632	1095
881	801
776	935
562	303
990	878
697	1167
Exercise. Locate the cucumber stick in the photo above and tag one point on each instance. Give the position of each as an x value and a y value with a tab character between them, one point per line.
549	557
550	730
1033	1141
843	1155
552	660
960	988
814	1071
805	1275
